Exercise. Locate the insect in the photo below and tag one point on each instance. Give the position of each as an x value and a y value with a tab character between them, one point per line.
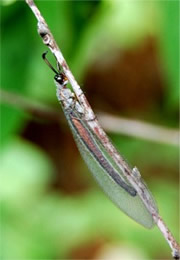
99	161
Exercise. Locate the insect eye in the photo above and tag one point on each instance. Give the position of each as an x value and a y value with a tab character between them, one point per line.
58	78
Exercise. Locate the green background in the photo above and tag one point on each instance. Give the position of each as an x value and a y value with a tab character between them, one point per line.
125	55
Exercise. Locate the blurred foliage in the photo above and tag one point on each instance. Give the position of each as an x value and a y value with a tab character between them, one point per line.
40	219
39	224
169	49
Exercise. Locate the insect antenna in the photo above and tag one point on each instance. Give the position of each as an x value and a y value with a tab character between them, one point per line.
49	64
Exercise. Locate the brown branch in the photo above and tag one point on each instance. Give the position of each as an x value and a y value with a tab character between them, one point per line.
139	129
110	123
35	108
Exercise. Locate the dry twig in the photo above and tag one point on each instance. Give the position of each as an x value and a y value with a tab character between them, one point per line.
132	175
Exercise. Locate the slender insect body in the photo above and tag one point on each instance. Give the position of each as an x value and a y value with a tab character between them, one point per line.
115	179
